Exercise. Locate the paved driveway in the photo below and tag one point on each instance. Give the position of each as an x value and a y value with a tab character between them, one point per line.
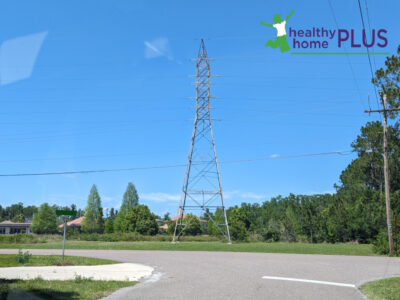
229	275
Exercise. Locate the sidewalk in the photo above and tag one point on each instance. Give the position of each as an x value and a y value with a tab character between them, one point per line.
118	272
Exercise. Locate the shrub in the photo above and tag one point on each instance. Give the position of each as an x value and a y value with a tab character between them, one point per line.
134	237
16	238
23	258
109	226
4	288
192	225
21	238
238	224
271	235
381	244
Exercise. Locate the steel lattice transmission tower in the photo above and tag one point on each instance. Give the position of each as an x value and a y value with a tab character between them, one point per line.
202	190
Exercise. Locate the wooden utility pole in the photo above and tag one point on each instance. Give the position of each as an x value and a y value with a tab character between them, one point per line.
386	169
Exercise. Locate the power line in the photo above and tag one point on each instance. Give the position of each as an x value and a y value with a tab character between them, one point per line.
93	156
344	152
369	57
347	56
122	100
370	32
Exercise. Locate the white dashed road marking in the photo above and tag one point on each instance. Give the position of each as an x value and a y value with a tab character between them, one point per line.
311	281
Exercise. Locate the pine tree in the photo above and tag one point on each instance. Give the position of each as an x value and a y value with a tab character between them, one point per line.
112	214
130	199
73	208
93	221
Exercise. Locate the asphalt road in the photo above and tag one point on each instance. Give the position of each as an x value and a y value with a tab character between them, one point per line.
229	275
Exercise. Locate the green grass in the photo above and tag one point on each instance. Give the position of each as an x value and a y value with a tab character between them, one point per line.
299	248
386	289
10	260
70	289
29	238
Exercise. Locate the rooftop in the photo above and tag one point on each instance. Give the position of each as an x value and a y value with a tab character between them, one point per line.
10	223
76	222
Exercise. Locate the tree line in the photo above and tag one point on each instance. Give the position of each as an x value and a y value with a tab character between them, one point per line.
355	212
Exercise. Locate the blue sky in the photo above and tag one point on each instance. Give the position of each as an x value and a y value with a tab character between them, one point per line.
104	84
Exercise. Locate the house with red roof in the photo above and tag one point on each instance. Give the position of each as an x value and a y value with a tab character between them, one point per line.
74	224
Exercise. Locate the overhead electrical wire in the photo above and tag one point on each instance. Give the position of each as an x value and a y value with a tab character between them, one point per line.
109	155
370	32
345	152
369	56
347	56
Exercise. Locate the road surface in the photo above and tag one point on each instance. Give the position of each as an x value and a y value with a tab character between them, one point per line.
230	275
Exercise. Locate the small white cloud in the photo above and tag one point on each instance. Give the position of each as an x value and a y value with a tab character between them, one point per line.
18	57
274	156
157	48
159	197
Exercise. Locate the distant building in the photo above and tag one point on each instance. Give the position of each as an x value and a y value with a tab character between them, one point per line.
74	224
173	220
164	227
8	227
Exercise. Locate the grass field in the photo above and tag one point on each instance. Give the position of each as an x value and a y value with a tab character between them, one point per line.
299	248
386	289
80	288
10	260
69	289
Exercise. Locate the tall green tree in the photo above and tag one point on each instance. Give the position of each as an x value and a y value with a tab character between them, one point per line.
366	171
129	200
359	211
112	213
45	220
19	218
387	80
141	220
93	221
14	210
29	211
73	208
166	217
